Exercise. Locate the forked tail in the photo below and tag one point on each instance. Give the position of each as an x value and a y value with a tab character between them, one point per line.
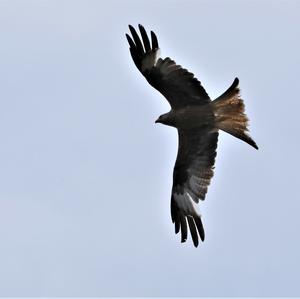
229	110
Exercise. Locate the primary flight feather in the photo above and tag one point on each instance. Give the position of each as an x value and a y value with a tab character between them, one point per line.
197	120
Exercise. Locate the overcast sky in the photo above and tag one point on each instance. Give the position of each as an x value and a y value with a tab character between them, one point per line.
86	175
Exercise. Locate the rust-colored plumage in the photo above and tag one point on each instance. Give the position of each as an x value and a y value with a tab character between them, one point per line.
229	110
197	120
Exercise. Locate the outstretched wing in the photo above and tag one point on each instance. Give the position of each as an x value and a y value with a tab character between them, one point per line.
192	174
179	86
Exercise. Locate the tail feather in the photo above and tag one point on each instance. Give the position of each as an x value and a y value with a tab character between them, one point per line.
229	110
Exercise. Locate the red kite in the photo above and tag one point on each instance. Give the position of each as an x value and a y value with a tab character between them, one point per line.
197	119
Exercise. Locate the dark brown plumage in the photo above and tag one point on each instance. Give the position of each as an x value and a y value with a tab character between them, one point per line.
197	119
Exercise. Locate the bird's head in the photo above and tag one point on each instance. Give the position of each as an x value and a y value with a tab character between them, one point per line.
159	120
165	119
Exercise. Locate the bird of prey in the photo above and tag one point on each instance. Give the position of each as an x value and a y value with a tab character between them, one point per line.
197	119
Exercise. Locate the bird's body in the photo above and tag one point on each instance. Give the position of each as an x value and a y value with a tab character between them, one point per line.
189	117
197	120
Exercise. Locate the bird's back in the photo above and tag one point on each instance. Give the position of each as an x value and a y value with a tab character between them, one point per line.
194	116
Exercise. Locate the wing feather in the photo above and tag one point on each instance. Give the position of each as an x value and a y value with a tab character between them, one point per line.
176	84
193	230
192	175
154	40
137	41
183	226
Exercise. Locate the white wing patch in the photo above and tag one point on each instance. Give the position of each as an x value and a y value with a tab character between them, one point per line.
186	203
199	185
150	60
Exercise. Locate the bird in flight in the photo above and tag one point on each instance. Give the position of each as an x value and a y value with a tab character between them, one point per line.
197	119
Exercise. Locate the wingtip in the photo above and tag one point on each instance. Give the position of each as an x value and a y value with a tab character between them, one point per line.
200	227
131	28
130	41
202	237
154	40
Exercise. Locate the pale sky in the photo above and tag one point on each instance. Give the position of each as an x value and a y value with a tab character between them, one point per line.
86	175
